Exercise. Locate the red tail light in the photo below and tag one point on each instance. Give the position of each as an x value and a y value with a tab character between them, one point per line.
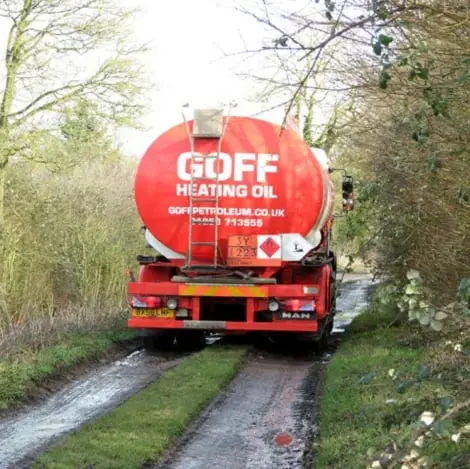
146	302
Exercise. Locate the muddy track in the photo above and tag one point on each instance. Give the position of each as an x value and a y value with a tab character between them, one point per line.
26	434
266	418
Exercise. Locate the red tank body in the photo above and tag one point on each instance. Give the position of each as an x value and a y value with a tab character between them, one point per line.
241	224
269	183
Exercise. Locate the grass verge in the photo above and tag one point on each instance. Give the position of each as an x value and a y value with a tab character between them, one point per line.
22	374
142	428
378	385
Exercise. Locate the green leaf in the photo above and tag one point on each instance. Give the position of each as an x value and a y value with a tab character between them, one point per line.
413	275
384	79
464	289
412	290
385	40
433	163
440	316
377	47
367	379
437	325
423	372
404	386
382	14
445	403
423	74
425	319
403	61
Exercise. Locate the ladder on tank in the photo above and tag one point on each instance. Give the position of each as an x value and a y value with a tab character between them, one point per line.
207	124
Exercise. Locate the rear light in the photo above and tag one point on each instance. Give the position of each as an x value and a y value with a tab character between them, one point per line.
146	302
153	301
299	305
273	305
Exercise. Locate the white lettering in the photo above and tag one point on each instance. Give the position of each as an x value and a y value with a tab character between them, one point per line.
264	167
226	161
225	166
257	191
286	315
241	167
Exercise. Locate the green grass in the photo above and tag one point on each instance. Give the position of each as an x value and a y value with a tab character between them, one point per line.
144	426
21	375
355	417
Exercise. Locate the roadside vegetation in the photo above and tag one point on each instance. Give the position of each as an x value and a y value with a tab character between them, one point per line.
68	225
396	396
389	85
22	376
139	431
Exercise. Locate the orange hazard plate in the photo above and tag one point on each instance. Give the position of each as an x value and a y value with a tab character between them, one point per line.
243	252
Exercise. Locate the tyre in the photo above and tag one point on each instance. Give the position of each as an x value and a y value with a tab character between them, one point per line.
161	340
190	340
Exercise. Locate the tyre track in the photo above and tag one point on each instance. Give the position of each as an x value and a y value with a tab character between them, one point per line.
266	418
26	434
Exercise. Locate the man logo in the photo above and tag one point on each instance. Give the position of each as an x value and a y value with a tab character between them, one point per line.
297	315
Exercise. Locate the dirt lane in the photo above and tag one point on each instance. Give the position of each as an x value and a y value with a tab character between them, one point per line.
271	403
27	433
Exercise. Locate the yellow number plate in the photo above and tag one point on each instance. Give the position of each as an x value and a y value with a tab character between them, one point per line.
163	313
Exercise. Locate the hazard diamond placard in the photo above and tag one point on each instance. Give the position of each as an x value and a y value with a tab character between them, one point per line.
269	247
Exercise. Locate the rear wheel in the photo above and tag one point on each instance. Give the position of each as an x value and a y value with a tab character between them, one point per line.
321	344
161	340
191	340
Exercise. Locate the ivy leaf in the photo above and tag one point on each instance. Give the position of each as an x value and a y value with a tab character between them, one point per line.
440	316
367	379
402	387
423	74
423	372
413	275
384	79
385	40
425	319
412	289
377	47
437	325
464	289
382	14
445	403
403	62
433	163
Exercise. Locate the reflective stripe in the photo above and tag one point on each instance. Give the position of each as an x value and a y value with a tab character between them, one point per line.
248	291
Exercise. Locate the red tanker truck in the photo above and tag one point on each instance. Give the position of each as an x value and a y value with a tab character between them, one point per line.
239	213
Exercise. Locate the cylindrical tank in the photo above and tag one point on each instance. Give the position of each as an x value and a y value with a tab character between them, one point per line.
269	182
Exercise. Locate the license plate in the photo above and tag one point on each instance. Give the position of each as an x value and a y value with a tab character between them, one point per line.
162	313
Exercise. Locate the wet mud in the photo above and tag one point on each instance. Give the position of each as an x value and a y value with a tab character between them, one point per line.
266	418
24	435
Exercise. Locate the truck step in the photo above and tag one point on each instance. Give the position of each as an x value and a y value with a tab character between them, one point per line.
203	268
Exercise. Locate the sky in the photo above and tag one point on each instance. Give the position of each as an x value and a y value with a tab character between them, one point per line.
189	42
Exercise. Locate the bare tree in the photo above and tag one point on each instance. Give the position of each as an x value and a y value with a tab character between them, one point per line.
48	61
57	52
